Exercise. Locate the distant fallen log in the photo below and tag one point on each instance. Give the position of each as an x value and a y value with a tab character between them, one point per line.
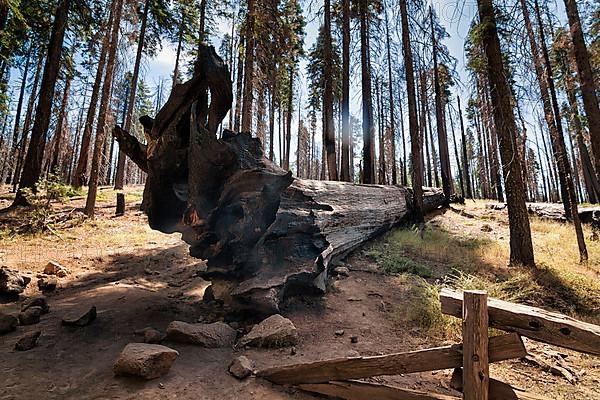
554	212
266	235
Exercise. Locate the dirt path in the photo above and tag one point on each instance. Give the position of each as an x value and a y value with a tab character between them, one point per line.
137	277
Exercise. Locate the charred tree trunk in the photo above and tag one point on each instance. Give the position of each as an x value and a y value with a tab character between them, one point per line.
99	143
464	152
35	154
368	175
586	79
346	158
81	172
264	233
521	247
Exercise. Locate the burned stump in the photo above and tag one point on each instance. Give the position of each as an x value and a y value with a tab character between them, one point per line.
266	235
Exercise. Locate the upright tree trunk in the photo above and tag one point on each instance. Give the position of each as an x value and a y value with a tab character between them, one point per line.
521	247
328	127
423	127
248	70
441	124
119	179
104	106
586	79
346	158
368	175
178	53
560	150
80	177
33	161
416	145
239	87
62	118
460	174
288	132
17	121
464	152
27	123
552	119
391	99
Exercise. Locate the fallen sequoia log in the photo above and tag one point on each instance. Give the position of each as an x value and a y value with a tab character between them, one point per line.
555	211
266	235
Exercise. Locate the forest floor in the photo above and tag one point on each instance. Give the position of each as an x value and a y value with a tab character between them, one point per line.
137	277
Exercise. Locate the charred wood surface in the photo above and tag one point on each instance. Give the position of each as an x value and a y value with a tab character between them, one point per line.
265	234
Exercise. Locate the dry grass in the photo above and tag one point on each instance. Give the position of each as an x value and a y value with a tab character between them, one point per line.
462	256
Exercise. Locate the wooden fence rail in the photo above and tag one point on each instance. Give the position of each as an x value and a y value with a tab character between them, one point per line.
470	360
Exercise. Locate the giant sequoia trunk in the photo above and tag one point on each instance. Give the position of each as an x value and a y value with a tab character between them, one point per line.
263	232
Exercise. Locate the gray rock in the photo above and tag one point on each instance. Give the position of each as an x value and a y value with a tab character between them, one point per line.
153	336
27	341
241	367
30	316
486	228
353	339
80	320
341	271
148	361
12	283
47	284
339	332
54	268
8	323
275	331
217	334
36	301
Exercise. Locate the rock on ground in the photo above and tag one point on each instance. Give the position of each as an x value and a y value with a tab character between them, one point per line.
153	336
54	268
148	361
36	301
218	334
12	283
80	319
47	284
8	323
275	331
30	316
27	341
241	367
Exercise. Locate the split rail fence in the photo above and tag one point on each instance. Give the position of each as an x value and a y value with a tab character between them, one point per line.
339	377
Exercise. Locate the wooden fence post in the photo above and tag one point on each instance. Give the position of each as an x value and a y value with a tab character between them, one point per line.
475	345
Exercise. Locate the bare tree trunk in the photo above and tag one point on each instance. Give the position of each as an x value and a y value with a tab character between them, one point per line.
81	172
586	80
368	175
248	69
460	174
328	127
32	166
62	117
440	122
17	121
104	105
119	180
178	53
239	87
416	145
27	123
423	127
464	152
521	247
560	152
346	158
392	110
288	133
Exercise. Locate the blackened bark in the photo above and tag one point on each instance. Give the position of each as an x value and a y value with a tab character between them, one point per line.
32	166
521	247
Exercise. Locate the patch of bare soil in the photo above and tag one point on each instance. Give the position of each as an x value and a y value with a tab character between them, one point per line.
137	277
